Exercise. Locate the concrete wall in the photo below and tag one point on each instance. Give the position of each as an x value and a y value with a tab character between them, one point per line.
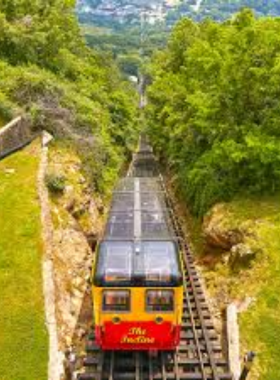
15	135
233	341
55	366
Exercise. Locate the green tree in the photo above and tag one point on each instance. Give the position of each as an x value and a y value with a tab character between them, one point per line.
47	71
214	107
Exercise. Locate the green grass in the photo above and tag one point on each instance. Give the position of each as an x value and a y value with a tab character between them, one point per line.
260	324
23	336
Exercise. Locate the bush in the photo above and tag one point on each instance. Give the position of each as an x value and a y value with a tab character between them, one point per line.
7	110
55	183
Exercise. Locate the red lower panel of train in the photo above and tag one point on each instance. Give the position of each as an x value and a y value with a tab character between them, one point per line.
138	336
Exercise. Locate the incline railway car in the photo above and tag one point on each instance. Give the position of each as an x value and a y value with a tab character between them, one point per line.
137	276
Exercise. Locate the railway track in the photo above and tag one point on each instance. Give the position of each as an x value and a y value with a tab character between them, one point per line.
199	355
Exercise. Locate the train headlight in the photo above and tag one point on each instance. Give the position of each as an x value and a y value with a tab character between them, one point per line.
116	320
159	320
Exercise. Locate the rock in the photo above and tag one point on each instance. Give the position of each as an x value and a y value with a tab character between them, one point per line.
226	259
73	248
216	233
241	254
75	206
70	205
68	340
78	282
245	304
101	208
27	20
82	180
76	215
79	211
71	255
242	250
75	305
77	295
46	138
92	239
69	189
88	278
81	333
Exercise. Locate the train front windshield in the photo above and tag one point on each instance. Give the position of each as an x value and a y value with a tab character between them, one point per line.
149	263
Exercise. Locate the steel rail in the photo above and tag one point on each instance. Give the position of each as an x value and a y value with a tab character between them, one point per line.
193	325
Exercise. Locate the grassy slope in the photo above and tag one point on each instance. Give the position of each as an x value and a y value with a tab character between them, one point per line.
260	324
23	337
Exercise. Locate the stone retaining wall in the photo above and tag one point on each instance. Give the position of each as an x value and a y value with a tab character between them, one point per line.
15	135
55	366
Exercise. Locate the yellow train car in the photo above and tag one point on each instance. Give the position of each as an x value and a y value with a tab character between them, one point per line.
137	276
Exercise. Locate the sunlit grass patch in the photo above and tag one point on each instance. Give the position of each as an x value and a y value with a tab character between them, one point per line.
260	324
23	336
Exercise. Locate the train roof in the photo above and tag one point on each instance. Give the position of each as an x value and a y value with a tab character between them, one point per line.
138	211
138	246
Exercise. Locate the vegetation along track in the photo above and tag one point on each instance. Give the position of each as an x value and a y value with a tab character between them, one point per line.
199	354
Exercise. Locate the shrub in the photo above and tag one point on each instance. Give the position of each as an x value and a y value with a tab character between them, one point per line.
55	183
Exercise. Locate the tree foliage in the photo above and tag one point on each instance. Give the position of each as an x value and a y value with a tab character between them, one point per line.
47	71
214	107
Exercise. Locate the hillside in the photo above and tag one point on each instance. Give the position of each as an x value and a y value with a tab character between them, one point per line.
124	13
133	30
249	274
47	71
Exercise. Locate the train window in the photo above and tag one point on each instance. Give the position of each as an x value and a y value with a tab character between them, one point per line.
116	300
114	263
159	300
161	261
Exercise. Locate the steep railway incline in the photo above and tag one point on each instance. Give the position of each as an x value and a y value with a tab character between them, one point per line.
199	355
